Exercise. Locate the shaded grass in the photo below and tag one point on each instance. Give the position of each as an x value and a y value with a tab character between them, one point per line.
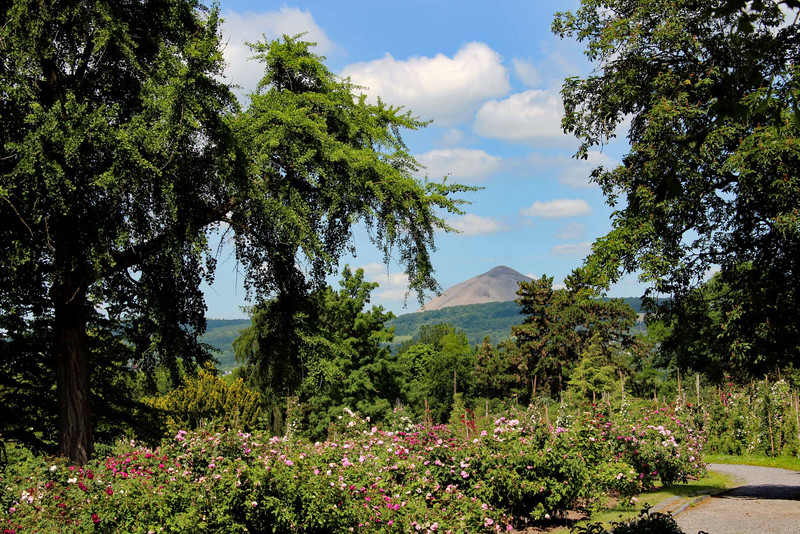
712	484
783	462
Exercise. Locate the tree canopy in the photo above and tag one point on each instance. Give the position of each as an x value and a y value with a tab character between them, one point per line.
712	178
119	150
560	324
330	352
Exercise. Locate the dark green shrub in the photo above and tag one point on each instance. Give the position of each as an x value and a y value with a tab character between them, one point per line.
644	523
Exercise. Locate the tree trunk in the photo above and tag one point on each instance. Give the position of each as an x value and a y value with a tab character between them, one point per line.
72	373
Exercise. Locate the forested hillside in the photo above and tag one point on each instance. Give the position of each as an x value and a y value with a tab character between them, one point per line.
477	321
220	335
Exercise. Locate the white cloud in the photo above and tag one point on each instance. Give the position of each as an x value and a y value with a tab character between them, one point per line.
532	117
789	15
577	172
443	88
239	28
570	231
464	164
373	269
527	72
386	296
471	224
452	137
377	272
393	285
572	249
710	272
556	209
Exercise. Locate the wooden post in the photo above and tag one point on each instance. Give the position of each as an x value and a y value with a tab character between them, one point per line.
771	438
679	385
797	413
534	385
697	385
769	417
427	417
487	407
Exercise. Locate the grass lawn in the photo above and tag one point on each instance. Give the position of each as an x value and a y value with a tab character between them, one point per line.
711	484
784	462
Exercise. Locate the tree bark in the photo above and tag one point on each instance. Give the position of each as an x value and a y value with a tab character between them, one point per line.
72	373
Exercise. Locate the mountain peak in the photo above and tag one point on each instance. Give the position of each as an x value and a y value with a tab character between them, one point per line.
502	270
499	284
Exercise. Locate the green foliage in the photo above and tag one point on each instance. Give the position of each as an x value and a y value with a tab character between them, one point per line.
459	419
207	398
500	371
228	481
596	372
28	400
27	397
712	178
645	523
716	328
414	364
329	350
477	321
449	370
321	159
434	366
103	108
559	325
758	419
117	109
219	336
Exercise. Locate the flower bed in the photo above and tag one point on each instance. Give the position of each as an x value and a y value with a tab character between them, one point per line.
429	480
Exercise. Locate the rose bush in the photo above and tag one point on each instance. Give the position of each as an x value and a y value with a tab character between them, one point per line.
427	480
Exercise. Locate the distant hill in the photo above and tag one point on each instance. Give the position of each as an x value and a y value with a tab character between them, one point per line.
497	285
493	319
220	334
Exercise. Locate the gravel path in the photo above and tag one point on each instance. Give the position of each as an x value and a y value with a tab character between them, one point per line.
767	501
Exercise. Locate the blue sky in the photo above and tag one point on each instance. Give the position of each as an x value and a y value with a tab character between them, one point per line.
489	75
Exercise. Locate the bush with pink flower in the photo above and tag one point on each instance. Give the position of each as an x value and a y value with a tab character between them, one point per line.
428	480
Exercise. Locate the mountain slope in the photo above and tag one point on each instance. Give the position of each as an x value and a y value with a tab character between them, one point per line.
497	285
220	334
493	319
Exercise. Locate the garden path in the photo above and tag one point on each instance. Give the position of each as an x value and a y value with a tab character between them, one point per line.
767	501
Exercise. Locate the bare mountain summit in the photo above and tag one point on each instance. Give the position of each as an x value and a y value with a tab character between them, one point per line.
498	285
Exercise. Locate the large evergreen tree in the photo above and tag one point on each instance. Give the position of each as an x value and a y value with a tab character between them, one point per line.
559	324
119	149
712	178
330	352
